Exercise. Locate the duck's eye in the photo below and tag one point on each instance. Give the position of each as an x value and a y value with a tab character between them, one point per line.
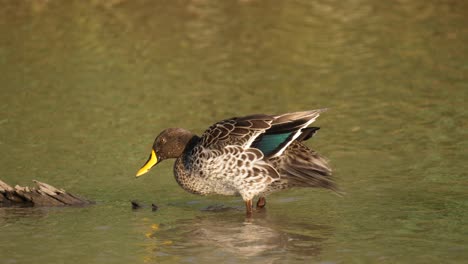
163	140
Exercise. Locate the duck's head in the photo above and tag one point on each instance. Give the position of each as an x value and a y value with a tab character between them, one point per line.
170	143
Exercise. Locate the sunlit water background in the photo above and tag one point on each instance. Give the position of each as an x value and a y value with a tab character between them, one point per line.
86	85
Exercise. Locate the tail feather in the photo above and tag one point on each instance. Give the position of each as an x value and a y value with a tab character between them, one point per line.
301	176
302	167
307	133
304	115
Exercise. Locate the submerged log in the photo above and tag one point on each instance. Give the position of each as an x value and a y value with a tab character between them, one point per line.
41	195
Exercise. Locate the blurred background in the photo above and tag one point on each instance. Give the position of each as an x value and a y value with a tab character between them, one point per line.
87	85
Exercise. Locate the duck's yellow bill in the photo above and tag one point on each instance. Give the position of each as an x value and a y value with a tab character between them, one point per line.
152	160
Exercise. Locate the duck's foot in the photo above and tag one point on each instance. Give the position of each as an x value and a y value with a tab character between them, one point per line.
248	207
261	202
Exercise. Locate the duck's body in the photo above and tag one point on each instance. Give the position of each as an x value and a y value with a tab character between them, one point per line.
248	156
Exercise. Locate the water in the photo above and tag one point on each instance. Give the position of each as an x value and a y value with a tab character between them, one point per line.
86	85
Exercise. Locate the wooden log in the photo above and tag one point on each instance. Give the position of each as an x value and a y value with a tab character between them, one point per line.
42	195
9	194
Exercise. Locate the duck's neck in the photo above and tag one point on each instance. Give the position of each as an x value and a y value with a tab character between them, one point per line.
186	154
182	169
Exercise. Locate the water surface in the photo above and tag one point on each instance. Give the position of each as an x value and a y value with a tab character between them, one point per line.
86	85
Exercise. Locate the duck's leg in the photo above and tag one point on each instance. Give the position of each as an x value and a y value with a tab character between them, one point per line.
261	202
248	207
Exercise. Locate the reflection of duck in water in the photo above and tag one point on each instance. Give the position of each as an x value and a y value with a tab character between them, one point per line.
219	237
248	156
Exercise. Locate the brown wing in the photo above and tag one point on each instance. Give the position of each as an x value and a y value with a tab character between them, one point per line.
239	131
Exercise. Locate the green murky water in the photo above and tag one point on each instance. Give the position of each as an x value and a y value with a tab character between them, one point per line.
86	85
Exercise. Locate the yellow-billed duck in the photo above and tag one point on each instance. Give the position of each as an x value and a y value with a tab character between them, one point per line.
250	156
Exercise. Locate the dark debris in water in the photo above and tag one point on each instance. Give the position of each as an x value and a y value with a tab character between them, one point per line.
138	205
135	204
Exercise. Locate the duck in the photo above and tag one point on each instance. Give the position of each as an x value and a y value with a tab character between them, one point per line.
250	156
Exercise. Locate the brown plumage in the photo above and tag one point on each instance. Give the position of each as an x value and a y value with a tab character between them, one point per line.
248	156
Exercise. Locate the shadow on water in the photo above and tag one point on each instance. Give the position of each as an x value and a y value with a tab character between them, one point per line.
14	214
221	233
